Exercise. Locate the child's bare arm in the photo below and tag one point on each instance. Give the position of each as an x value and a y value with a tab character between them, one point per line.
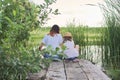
41	45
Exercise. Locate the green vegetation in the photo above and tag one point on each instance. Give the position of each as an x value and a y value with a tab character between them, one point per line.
80	35
21	34
36	36
17	19
114	74
111	39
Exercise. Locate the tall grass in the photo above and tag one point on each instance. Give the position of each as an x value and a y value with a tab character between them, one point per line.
111	10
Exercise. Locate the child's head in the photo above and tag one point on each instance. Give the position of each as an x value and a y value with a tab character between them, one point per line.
55	28
67	36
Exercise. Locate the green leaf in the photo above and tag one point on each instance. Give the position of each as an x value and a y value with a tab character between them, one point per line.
8	19
57	49
14	12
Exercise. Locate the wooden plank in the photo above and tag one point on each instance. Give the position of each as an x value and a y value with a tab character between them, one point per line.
82	70
56	71
92	71
74	71
36	76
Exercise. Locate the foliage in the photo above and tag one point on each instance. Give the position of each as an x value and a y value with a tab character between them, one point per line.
58	51
16	65
45	10
17	19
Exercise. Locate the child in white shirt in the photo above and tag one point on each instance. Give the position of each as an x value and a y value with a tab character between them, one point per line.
53	39
72	51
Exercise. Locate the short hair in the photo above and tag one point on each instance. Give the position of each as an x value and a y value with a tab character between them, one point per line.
55	28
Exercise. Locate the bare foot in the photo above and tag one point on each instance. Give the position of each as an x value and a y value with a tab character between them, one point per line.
76	60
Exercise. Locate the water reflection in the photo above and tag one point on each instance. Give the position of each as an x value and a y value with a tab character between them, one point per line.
93	53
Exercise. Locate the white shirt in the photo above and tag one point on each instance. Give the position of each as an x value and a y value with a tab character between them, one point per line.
53	41
71	51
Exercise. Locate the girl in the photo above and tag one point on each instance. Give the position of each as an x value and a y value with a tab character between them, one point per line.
54	40
72	51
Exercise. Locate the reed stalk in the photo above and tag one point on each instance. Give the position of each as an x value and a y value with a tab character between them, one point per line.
111	11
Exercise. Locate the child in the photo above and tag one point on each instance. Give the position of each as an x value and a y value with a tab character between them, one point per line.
53	40
72	51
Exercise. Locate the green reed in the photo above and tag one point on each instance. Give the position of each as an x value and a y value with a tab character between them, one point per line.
111	41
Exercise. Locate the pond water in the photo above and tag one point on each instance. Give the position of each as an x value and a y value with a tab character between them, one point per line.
93	53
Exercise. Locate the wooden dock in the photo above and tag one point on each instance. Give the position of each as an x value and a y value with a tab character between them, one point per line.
82	70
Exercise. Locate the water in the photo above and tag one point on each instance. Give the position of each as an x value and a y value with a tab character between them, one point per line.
94	54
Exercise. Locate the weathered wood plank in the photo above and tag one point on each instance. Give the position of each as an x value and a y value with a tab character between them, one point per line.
74	72
56	71
36	76
82	70
92	71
